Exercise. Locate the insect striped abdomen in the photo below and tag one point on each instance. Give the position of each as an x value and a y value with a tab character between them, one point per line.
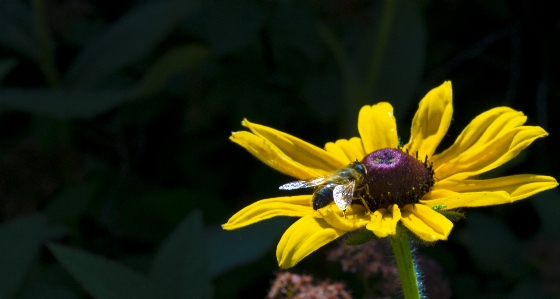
323	196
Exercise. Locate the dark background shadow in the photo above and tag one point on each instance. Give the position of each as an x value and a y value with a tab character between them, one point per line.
115	118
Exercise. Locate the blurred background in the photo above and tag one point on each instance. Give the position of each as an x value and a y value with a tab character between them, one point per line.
116	170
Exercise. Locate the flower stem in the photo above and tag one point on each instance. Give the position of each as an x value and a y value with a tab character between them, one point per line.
381	40
48	65
43	35
405	264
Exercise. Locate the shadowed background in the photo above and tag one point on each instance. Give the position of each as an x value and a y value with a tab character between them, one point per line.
115	164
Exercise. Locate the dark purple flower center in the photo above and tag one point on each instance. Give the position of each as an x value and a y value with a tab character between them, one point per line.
395	177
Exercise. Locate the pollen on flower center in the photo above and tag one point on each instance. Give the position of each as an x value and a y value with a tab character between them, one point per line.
395	177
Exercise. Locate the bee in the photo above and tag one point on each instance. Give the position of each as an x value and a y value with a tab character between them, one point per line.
338	186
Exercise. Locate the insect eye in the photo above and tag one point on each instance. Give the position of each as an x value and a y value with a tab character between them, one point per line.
360	167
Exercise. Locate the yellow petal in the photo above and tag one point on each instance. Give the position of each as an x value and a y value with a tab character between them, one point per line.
298	150
347	151
294	206
302	238
354	219
431	121
336	150
481	158
384	222
378	127
469	200
437	194
483	129
272	156
517	186
357	147
426	223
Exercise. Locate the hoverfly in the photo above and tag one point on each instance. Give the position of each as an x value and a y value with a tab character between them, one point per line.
338	186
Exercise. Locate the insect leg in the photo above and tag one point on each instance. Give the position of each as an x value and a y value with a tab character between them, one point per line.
368	211
361	197
367	188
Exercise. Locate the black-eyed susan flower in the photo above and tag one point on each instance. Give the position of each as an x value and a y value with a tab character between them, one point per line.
404	183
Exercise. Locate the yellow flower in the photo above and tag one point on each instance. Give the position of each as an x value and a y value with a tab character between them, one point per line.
490	140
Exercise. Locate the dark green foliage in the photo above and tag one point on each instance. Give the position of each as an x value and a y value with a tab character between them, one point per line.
501	251
105	279
229	249
453	215
20	242
359	237
180	267
115	118
127	41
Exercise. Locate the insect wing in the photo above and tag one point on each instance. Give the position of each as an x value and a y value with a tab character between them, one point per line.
304	183
342	194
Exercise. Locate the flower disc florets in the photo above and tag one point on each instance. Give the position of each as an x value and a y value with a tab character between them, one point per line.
395	177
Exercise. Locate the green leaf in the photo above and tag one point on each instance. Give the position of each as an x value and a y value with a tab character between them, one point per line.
492	246
62	103
20	240
173	62
359	237
452	215
18	31
55	231
230	249
128	40
82	104
547	205
231	284
102	278
6	66
181	266
68	207
227	25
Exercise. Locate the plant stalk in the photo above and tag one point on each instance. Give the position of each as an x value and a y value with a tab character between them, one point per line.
43	36
47	63
405	264
380	45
